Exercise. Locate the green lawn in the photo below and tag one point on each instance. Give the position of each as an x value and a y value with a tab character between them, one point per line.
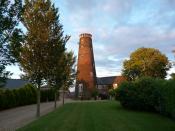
100	116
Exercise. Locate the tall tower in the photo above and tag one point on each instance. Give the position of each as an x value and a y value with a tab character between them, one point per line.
86	74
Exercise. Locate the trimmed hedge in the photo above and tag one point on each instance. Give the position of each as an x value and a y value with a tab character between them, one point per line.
167	98
148	94
23	96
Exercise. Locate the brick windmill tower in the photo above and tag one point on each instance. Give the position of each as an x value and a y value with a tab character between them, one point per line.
86	74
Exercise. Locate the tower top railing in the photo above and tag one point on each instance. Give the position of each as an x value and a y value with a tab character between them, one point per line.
85	35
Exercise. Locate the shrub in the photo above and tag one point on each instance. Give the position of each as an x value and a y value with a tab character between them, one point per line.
148	94
47	95
138	95
94	93
167	98
7	100
112	92
23	96
103	96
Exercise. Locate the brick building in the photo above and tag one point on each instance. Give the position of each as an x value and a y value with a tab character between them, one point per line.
86	81
86	74
106	83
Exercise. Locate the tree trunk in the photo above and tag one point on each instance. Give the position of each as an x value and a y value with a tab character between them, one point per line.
38	101
63	95
55	103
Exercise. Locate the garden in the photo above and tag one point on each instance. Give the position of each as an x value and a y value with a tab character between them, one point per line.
148	94
100	116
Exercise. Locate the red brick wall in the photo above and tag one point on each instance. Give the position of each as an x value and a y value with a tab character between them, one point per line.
118	80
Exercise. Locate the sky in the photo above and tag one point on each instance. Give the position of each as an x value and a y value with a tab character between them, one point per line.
118	28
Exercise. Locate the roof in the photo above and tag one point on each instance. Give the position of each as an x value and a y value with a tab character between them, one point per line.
15	83
105	80
110	80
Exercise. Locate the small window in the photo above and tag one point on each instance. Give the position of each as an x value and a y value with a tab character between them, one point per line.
80	87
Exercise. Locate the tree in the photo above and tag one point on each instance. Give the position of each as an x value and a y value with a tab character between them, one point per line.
62	73
3	76
43	41
10	12
146	62
55	59
69	73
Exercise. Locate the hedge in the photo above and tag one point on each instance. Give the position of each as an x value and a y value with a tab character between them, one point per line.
23	96
47	95
167	98
148	94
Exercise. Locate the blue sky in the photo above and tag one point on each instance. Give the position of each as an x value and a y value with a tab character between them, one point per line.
118	27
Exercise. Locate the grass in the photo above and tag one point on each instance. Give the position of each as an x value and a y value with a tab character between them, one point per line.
100	116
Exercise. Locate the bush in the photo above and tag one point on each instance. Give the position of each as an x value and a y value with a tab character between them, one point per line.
167	98
138	95
23	96
103	96
6	99
47	95
94	93
112	93
148	94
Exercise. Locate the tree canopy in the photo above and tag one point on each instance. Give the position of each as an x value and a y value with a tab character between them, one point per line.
43	46
62	73
10	12
146	62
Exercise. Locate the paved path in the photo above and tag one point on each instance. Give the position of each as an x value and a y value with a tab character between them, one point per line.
17	117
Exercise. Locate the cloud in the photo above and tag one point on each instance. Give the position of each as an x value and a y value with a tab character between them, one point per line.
118	27
172	70
117	8
104	71
127	38
167	4
134	36
79	5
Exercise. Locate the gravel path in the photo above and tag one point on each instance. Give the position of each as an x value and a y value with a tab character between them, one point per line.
17	117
